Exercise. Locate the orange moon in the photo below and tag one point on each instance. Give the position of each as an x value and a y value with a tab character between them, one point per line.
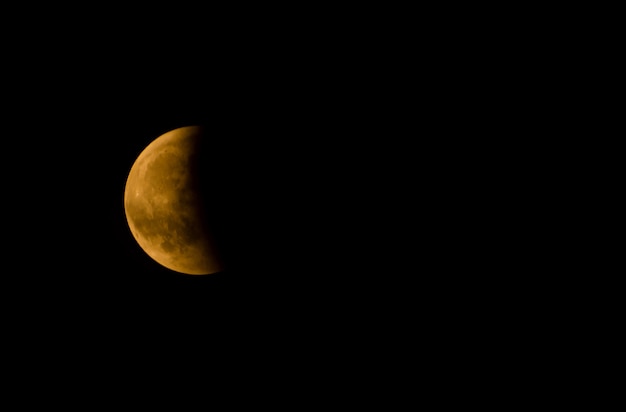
164	207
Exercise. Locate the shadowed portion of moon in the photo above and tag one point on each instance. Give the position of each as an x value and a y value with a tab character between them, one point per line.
164	202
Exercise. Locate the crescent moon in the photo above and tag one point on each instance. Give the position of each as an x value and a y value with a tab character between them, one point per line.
164	208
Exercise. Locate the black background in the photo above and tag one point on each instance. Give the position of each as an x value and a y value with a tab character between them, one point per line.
369	172
345	169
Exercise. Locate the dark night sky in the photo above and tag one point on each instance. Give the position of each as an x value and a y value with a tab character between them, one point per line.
355	180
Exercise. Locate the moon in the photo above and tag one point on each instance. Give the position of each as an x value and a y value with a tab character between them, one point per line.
164	205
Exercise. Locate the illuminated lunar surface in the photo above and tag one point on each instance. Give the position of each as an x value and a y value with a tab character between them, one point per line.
164	208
